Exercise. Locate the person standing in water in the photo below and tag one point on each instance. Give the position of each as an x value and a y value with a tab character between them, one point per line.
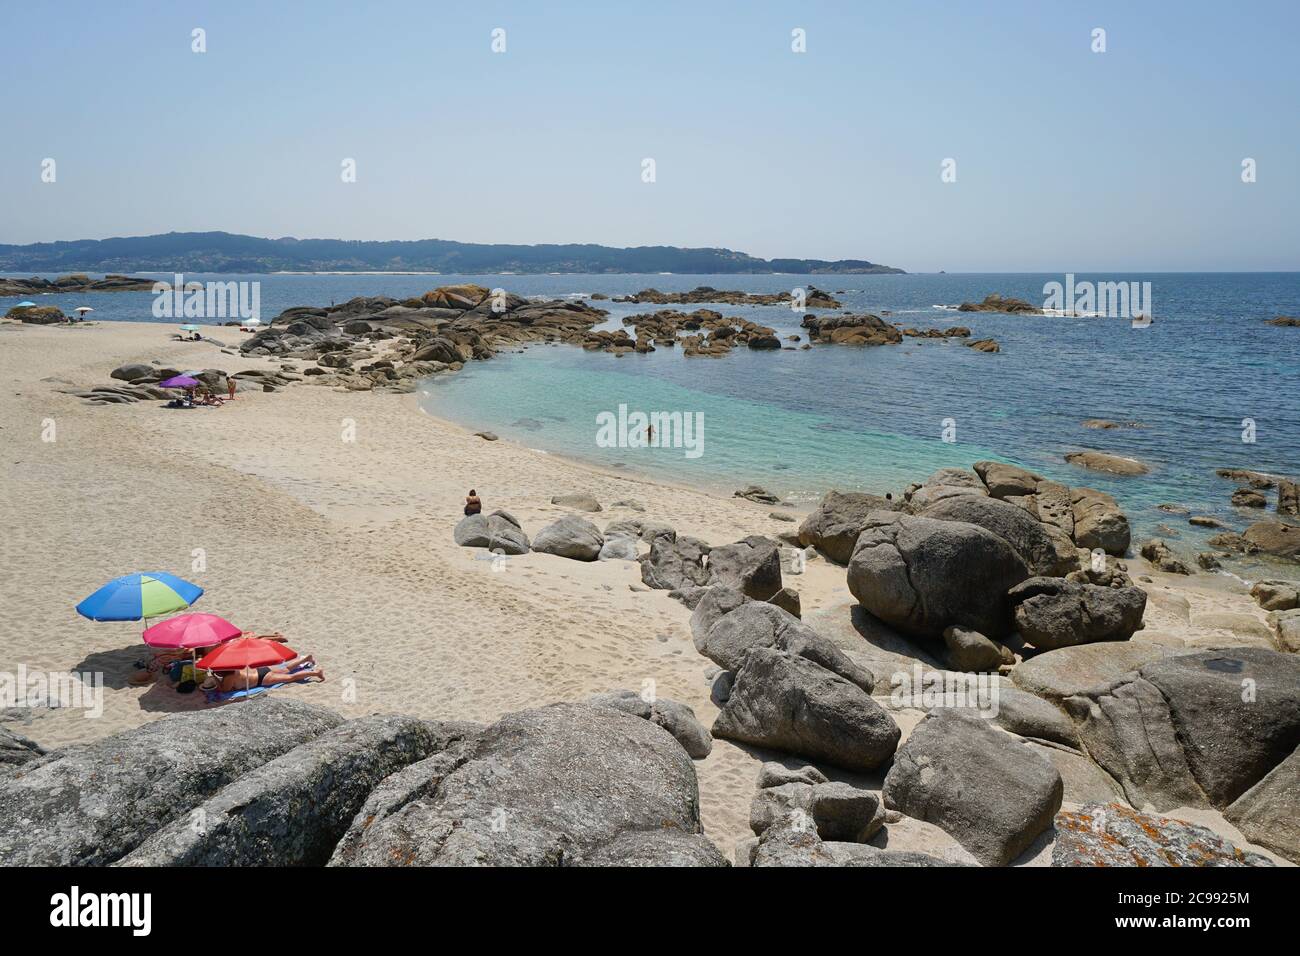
473	505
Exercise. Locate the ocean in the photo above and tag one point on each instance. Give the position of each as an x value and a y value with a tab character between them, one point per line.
1205	371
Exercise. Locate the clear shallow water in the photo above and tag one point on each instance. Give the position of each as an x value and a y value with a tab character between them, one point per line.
800	422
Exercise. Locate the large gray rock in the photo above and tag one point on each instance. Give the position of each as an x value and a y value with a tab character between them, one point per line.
714	603
1128	731
1085	668
676	718
16	750
1006	481
570	537
1045	548
1277	538
1051	613
774	774
971	651
1269	812
494	532
921	575
985	788
643	528
675	563
834	527
1112	834
91	804
534	789
292	810
1098	522
618	548
756	624
1028	715
577	502
787	702
1237	713
751	566
945	483
786	845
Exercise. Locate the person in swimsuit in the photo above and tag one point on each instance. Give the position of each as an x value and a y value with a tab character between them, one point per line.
473	505
248	677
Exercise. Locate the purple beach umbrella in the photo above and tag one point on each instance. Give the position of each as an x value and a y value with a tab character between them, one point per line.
179	381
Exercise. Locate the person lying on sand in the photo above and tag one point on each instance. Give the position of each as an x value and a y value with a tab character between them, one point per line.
277	636
247	677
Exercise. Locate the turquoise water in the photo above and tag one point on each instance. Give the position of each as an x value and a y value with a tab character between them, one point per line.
800	422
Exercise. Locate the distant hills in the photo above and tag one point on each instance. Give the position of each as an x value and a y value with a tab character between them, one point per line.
227	252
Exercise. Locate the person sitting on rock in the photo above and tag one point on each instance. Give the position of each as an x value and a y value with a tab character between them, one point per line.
473	505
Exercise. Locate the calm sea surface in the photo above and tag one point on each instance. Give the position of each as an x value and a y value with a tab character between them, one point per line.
800	422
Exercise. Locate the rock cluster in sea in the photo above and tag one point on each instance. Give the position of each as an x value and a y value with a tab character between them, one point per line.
75	282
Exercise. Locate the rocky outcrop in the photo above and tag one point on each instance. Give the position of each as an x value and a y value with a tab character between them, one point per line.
999	303
1097	521
577	502
944	483
74	282
1162	558
1266	813
1115	835
751	566
1104	461
851	330
570	537
92	804
971	651
291	811
674	563
676	718
1007	481
814	298
792	846
989	791
497	532
840	517
16	750
921	575
1045	549
534	790
1051	612
755	624
1288	498
1276	595
1129	732
1274	537
1236	711
787	702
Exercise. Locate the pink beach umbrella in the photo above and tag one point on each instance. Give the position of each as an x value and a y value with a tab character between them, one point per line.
191	631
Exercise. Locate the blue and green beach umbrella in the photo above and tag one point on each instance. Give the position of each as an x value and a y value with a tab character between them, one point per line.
134	597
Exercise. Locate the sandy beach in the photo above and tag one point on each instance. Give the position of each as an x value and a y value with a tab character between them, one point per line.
328	516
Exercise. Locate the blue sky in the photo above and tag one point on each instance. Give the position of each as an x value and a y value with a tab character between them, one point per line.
1067	160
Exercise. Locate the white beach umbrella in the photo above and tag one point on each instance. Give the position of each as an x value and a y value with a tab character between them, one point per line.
83	308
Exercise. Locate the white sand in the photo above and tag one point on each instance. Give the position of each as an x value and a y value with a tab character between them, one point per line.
347	548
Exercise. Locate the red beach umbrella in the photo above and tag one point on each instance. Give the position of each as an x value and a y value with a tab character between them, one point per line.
245	652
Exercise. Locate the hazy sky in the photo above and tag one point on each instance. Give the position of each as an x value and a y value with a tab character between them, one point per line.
1066	159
